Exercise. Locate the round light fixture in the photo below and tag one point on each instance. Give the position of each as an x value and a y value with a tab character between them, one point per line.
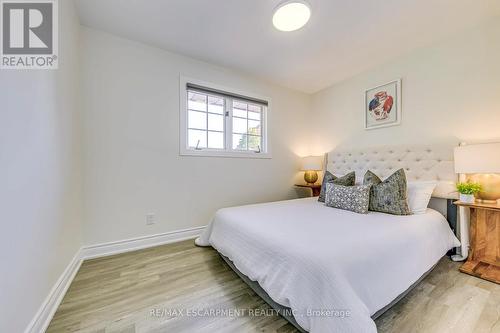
291	15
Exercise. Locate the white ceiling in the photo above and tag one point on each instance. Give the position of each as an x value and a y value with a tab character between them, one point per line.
342	38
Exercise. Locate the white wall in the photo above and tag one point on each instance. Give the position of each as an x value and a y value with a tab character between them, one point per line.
40	201
131	127
131	138
450	94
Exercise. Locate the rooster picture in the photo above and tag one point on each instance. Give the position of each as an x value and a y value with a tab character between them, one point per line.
381	105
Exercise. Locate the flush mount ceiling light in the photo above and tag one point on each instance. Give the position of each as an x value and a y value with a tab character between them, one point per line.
291	15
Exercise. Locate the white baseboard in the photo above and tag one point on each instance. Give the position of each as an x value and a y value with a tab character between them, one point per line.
133	244
44	315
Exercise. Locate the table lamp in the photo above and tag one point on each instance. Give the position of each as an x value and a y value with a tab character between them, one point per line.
481	164
311	164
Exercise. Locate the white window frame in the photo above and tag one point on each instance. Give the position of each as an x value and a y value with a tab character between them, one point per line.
228	131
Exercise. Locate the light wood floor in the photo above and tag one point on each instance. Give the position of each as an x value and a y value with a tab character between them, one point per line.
133	292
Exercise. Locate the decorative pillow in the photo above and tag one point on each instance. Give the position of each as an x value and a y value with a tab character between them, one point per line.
388	196
353	198
419	195
347	180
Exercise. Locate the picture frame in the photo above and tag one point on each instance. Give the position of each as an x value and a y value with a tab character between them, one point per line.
383	105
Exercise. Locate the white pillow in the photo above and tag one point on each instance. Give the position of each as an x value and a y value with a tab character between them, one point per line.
419	195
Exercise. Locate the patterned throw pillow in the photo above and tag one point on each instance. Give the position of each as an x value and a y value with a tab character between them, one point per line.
347	180
388	196
353	198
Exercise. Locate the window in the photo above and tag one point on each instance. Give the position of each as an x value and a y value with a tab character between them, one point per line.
205	121
215	122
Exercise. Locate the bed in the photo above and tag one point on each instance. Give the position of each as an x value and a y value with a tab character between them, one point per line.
333	269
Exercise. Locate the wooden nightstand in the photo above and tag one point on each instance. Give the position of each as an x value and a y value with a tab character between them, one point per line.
484	253
316	188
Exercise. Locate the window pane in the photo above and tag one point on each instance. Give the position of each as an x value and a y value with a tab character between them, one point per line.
194	136
197	101
239	125
240	141
254	108
215	122
253	115
254	142
197	120
215	105
254	127
216	140
239	113
239	105
239	109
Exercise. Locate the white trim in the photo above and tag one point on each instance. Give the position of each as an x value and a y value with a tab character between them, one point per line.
220	153
138	243
184	151
44	315
399	104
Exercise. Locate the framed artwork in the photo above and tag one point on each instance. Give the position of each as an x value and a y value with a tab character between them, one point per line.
383	105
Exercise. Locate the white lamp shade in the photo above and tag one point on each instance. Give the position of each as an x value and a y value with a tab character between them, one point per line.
312	163
478	158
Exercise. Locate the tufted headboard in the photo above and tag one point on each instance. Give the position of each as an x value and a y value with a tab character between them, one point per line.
419	162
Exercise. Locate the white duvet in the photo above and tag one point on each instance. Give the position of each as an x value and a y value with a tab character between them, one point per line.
333	268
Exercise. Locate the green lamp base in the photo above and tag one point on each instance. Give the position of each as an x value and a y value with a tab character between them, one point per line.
310	177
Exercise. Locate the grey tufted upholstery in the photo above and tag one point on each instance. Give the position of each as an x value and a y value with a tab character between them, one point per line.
419	163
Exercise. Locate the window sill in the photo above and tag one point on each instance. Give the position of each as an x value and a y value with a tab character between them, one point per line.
231	154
